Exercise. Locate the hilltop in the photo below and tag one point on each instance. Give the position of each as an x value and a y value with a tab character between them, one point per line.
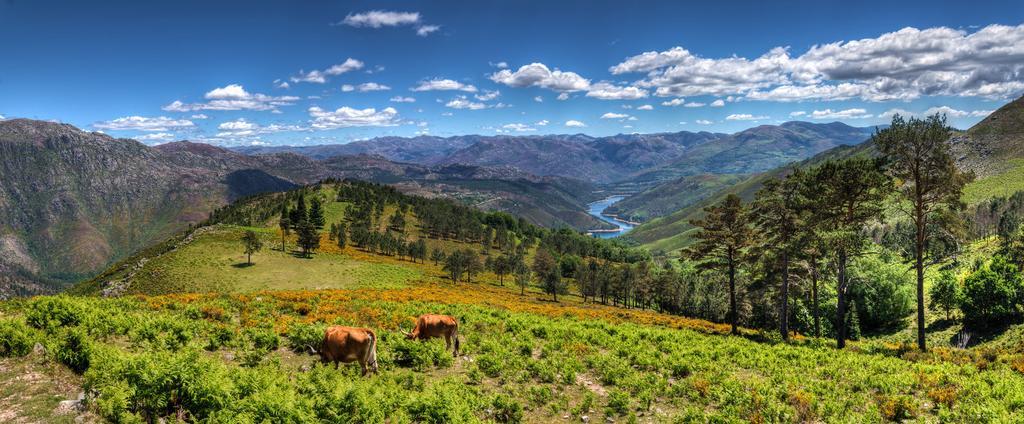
992	148
72	202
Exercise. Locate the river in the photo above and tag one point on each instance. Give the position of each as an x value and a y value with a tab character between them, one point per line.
597	208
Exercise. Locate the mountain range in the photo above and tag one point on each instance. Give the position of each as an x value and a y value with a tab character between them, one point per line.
72	201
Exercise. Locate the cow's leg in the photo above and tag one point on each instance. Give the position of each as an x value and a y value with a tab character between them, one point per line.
447	342
362	364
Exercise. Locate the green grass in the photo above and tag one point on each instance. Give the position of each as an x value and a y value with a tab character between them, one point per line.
999	185
214	261
546	366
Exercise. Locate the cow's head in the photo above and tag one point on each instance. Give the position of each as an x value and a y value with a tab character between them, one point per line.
408	335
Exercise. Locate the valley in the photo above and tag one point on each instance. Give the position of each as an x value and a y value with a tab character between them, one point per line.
599	210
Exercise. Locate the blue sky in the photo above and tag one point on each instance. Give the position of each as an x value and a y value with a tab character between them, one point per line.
309	72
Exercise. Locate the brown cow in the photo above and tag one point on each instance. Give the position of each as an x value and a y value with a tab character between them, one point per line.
429	326
349	344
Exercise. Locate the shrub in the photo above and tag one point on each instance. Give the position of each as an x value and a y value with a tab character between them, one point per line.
506	409
16	339
618	402
883	293
988	297
302	337
420	354
50	313
945	294
263	339
73	348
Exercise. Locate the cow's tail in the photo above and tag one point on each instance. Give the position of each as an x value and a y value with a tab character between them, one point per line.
372	357
455	335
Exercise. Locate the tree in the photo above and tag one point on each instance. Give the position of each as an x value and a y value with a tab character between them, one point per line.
778	214
473	264
309	238
918	155
397	222
316	214
252	244
502	266
722	240
522	273
842	197
988	297
341	235
285	224
549	273
455	265
437	256
298	214
418	250
945	294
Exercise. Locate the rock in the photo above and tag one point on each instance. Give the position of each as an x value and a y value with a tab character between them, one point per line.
69	406
38	349
585	418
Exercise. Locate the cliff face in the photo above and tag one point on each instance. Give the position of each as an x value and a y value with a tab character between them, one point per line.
71	201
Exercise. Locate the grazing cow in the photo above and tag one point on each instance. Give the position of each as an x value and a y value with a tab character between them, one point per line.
429	326
349	344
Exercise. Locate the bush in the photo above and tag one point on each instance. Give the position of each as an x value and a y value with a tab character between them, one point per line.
946	294
73	348
302	337
50	313
16	339
988	297
263	339
618	402
883	292
420	355
506	409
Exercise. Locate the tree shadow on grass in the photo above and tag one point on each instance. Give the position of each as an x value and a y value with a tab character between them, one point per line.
243	265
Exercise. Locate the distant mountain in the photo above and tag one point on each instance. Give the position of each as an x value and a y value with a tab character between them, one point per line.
71	201
639	160
992	148
671	196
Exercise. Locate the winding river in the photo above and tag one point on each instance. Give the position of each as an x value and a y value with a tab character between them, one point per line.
597	209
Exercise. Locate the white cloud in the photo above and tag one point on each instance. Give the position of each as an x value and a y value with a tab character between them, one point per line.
704	122
426	30
538	99
717	103
241	128
518	127
563	96
645	107
854	113
694	104
371	86
232	97
613	115
142	123
400	99
444	85
499	65
609	91
797	114
281	84
200	116
679	101
542	122
462	102
487	95
575	123
539	75
161	137
381	18
901	65
320	77
348	88
945	110
744	117
345	117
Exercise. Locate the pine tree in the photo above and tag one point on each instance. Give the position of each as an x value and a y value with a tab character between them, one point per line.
285	224
341	235
723	239
252	244
919	155
316	214
843	196
309	238
548	272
